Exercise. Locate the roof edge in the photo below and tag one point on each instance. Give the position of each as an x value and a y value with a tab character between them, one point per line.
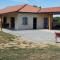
22	7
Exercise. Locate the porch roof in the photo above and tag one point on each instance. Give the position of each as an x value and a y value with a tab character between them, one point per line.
28	8
54	10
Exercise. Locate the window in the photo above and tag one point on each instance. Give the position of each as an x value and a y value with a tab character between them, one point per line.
25	21
45	23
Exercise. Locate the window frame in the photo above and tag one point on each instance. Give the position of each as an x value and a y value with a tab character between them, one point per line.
24	20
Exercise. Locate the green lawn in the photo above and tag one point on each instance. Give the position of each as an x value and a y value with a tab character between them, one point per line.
49	52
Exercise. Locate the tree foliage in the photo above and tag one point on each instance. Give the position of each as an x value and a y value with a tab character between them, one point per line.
37	6
57	20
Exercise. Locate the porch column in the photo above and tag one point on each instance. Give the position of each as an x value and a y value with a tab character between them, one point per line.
1	21
50	19
9	24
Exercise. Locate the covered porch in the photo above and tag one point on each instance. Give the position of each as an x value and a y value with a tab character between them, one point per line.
7	21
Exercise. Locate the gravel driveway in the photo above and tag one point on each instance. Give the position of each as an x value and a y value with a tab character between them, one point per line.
41	36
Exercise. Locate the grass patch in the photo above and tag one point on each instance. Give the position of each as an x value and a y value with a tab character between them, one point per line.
14	53
5	37
22	50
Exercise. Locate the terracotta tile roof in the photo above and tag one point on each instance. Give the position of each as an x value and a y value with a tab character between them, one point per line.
29	8
11	9
19	8
53	9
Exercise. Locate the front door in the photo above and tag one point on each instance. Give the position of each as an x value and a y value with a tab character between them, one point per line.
34	23
45	23
12	22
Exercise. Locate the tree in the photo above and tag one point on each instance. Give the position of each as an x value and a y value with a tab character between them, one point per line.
40	7
57	20
37	6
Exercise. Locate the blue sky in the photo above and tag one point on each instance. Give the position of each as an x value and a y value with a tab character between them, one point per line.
42	3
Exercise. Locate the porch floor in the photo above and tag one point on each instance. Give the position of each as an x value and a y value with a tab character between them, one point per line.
39	36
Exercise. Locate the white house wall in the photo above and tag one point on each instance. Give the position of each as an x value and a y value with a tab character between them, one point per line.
18	22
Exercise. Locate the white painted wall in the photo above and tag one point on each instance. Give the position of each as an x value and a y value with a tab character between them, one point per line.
18	22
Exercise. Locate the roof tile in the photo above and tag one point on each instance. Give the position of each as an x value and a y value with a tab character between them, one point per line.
29	8
52	9
11	9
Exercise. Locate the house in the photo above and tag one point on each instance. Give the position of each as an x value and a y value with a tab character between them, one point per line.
24	17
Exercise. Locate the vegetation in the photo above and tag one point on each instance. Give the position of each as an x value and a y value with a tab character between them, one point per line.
37	6
14	53
5	38
15	48
57	20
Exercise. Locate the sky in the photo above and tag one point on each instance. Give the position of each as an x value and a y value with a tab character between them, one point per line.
42	3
